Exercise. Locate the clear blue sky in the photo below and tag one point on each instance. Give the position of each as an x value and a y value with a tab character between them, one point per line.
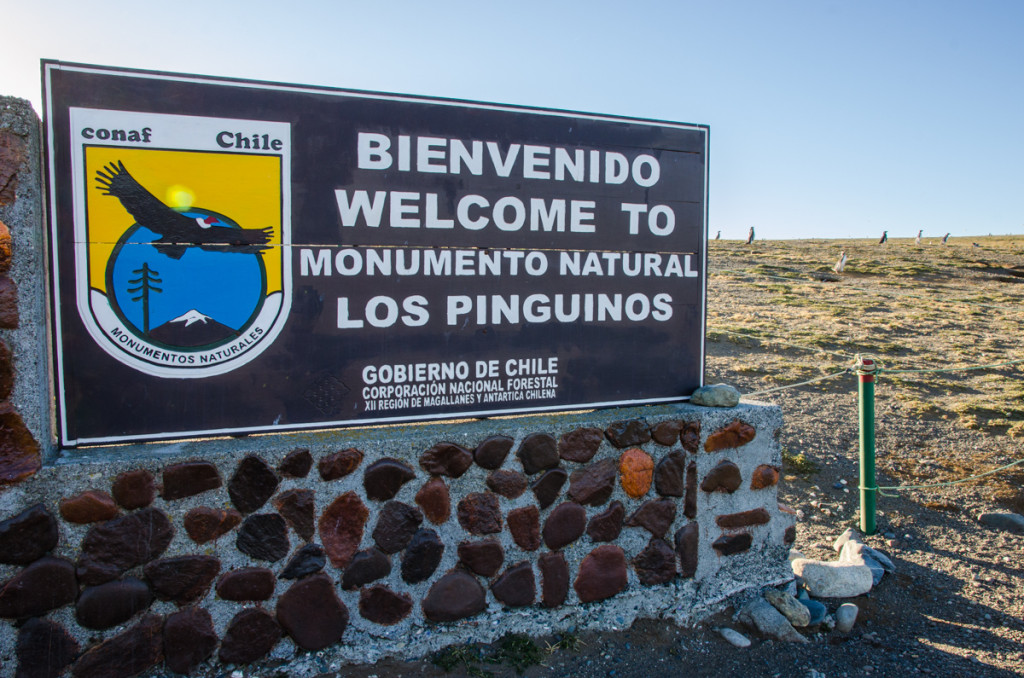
828	118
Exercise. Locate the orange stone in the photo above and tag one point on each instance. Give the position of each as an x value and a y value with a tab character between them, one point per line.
19	451
636	470
735	434
764	476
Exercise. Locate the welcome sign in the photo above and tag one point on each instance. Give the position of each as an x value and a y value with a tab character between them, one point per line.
235	256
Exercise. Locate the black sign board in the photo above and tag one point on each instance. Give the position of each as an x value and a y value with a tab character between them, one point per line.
235	256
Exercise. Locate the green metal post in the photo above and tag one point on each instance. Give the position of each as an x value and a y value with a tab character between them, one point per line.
866	377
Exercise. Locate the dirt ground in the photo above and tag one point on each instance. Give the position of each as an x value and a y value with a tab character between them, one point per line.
778	315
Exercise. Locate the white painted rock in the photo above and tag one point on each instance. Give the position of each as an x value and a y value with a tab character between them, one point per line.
716	395
760	615
734	637
846	615
841	579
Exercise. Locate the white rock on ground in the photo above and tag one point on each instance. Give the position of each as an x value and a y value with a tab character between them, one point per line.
847	577
716	395
760	615
791	608
1009	522
734	637
846	615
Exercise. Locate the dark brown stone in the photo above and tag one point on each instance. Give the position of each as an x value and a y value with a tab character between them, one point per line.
454	596
764	476
6	357
554	575
547	488
435	501
479	514
246	583
667	432
27	536
491	453
252	484
189	639
44	649
524	524
593	485
19	451
736	434
308	560
670	475
312	614
263	536
537	452
446	459
482	557
580	445
341	528
384	478
689	437
134	489
687	545
628	433
251	635
113	603
728	544
509	484
690	498
789	536
422	556
381	605
656	564
758	516
296	464
602	574
396	523
205	524
8	303
724	477
184	579
127	654
188	479
565	524
339	464
607	525
366	566
655	516
91	506
13	156
298	509
636	469
516	586
110	548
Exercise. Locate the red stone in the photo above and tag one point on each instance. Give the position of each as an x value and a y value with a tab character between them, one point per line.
636	470
484	557
564	525
607	525
189	639
435	501
547	487
758	516
184	579
13	155
690	498
205	524
593	485
628	433
457	595
509	484
113	603
516	586
45	585
251	635
384	478
491	453
8	304
670	475
296	464
736	434
126	654
299	511
189	479
655	516
44	649
537	452
724	477
446	459
690	436
764	476
6	357
656	564
366	566
264	536
728	544
422	556
19	451
312	614
341	528
252	484
667	432
27	536
340	464
554	573
134	489
247	583
91	506
602	574
381	605
524	524
687	545
479	514
580	445
117	545
396	523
